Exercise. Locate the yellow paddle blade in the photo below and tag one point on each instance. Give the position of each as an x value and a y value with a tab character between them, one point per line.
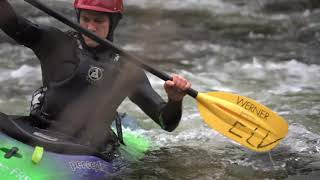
242	119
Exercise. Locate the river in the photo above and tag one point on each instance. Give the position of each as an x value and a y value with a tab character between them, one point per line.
267	50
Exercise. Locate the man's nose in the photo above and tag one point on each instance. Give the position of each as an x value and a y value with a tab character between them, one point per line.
92	27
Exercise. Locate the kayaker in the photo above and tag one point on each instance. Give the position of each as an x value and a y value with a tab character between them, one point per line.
83	82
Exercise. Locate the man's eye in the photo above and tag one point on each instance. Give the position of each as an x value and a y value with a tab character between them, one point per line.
85	19
99	20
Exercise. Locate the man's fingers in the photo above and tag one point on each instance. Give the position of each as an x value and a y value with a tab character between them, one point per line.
170	83
180	82
187	86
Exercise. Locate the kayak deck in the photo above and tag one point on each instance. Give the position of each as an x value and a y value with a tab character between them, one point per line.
84	163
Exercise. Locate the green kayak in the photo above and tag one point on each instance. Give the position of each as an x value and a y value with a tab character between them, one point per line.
29	153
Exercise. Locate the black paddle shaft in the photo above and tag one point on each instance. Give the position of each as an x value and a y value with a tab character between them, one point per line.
106	43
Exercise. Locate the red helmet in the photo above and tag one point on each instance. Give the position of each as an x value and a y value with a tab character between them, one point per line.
109	6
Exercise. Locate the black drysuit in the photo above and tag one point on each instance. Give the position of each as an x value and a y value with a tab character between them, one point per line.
85	86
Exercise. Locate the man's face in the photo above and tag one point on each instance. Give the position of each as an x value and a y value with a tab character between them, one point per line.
96	22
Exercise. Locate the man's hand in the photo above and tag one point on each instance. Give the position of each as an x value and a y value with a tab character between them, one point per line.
176	87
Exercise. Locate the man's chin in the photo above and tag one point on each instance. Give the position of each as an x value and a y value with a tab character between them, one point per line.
91	44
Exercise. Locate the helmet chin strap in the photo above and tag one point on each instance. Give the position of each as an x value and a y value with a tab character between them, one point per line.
114	21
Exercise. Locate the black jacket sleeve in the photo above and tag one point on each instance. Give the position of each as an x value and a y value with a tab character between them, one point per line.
167	115
18	28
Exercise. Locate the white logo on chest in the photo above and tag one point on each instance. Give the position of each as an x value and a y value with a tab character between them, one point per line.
95	73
